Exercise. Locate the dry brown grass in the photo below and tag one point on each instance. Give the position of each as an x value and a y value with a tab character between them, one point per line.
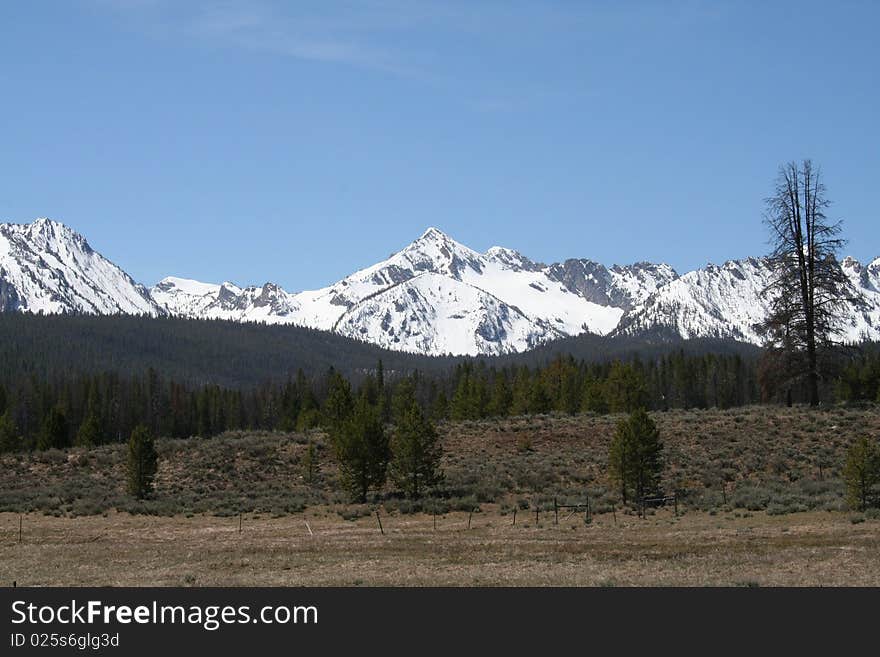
814	548
728	465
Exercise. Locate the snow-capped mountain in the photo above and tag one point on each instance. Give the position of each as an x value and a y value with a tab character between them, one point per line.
435	296
45	267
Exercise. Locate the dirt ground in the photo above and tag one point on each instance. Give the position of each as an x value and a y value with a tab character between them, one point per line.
817	548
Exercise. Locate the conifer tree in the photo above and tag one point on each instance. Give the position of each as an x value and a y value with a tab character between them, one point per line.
338	404
539	401
862	474
142	462
9	438
415	447
625	388
593	397
89	432
522	389
362	450
635	458
310	462
501	398
54	432
440	407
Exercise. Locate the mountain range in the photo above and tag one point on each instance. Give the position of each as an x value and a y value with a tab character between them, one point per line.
435	296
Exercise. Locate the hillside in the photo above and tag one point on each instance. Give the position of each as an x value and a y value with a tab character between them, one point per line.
751	459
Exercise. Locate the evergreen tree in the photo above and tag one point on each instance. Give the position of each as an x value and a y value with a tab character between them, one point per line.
54	432
522	390
9	438
440	407
635	458
593	397
310	462
338	405
625	388
862	474
501	398
382	394
462	406
415	448
539	401
89	433
362	450
142	462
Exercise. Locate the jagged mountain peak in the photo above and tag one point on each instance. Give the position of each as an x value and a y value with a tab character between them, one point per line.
47	267
42	231
512	259
436	252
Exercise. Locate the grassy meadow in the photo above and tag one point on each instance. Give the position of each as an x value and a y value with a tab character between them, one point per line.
761	502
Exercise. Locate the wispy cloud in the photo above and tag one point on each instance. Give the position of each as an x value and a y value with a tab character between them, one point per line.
435	41
260	29
350	35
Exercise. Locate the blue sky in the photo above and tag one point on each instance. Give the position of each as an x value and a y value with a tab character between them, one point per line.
298	141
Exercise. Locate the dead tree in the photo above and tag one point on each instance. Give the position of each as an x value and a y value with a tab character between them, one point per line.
808	288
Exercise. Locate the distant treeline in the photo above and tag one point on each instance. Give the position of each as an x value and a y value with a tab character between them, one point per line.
237	355
41	413
190	351
82	380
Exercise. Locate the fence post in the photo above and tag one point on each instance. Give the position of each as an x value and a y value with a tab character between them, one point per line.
470	515
239	522
588	518
614	513
435	521
514	516
380	522
19	527
536	515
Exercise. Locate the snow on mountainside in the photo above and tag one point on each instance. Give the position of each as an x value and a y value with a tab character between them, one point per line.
727	301
515	303
434	296
860	323
431	313
187	298
621	287
715	301
45	267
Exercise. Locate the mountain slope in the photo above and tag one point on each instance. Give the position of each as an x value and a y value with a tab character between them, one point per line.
514	303
727	301
45	267
431	313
